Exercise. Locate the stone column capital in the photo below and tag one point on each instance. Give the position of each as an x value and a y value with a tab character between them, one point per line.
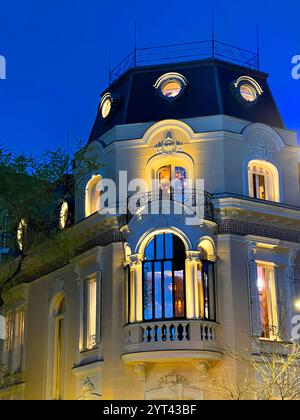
251	251
135	259
194	255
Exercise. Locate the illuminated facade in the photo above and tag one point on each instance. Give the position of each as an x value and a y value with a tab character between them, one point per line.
148	304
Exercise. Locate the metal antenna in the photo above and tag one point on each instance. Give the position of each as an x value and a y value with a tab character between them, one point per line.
109	69
258	46
213	32
135	42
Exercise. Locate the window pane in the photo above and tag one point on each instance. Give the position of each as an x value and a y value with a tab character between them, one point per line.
92	313
180	177
148	291
169	245
168	289
211	289
206	292
160	254
158	296
164	177
179	294
149	251
267	301
200	291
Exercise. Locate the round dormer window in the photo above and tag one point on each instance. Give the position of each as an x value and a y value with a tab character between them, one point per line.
248	92
170	86
106	107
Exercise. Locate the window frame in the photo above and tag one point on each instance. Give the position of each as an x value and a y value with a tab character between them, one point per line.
272	302
162	262
84	347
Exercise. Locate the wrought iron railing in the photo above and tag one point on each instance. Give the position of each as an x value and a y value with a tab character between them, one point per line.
190	51
199	201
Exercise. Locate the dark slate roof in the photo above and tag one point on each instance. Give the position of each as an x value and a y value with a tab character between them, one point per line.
208	93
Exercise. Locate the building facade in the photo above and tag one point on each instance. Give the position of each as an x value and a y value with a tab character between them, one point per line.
153	299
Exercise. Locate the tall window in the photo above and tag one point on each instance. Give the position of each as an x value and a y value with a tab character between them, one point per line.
59	333
263	181
92	195
176	174
206	290
164	278
90	314
267	301
14	342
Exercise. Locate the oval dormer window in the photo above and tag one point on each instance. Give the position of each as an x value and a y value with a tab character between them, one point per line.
170	86
247	90
105	105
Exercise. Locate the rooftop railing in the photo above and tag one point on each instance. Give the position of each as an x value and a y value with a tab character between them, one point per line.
191	51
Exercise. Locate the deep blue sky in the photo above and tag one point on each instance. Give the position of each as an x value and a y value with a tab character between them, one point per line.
57	51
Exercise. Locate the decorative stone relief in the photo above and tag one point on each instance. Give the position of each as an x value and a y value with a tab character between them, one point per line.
140	370
202	367
174	383
260	152
88	391
175	387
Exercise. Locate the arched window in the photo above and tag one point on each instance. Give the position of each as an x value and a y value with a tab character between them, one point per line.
92	195
164	278
263	181
59	332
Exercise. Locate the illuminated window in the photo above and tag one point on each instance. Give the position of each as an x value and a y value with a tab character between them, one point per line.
63	215
172	179
14	341
267	301
106	105
59	348
91	312
263	181
248	92
206	290
164	278
171	89
92	195
171	86
21	232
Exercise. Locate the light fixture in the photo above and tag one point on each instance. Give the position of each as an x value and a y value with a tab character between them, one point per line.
168	146
22	227
297	305
63	215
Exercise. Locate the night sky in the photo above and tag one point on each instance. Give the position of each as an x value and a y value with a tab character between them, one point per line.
57	56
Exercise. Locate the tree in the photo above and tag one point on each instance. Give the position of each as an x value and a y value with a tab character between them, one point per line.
270	375
31	190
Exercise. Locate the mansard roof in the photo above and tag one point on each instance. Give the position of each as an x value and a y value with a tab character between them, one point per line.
208	93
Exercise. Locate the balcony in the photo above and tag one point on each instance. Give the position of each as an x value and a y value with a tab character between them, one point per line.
193	200
172	341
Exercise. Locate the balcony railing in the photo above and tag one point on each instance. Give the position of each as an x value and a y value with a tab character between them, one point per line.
197	335
190	51
195	200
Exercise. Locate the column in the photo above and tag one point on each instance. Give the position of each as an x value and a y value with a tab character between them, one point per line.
290	291
136	288
253	292
193	258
